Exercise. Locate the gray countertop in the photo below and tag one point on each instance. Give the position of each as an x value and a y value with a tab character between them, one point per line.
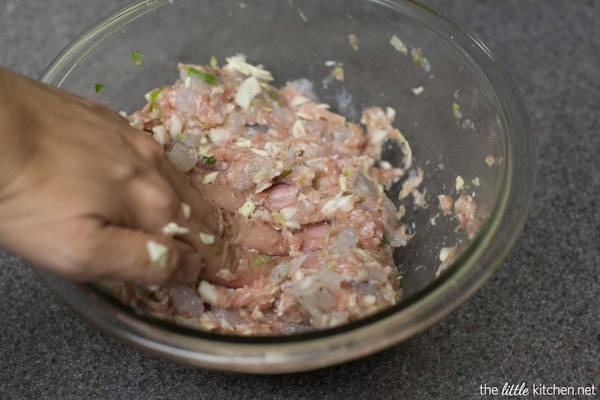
537	321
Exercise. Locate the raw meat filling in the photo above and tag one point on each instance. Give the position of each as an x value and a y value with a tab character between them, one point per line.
302	168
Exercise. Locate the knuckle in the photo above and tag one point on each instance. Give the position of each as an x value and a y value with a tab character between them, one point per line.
158	194
148	149
127	172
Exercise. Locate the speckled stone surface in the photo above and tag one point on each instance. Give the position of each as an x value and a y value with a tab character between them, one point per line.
537	321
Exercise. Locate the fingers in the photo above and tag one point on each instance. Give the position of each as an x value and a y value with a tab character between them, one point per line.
314	237
139	257
133	256
128	221
221	196
248	268
241	230
101	251
215	207
281	196
263	238
207	203
202	218
158	209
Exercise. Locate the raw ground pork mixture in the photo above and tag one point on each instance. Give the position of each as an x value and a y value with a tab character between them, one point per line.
301	168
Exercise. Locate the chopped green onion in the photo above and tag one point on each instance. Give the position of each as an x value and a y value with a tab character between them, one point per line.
98	87
338	73
262	259
456	110
153	98
213	62
136	57
398	44
384	241
154	94
206	77
278	217
459	183
343	180
274	95
247	208
209	160
417	56
285	173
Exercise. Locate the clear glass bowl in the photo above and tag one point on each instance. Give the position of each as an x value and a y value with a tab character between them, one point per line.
294	39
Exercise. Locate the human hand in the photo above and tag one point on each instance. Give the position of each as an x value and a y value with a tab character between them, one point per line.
85	195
